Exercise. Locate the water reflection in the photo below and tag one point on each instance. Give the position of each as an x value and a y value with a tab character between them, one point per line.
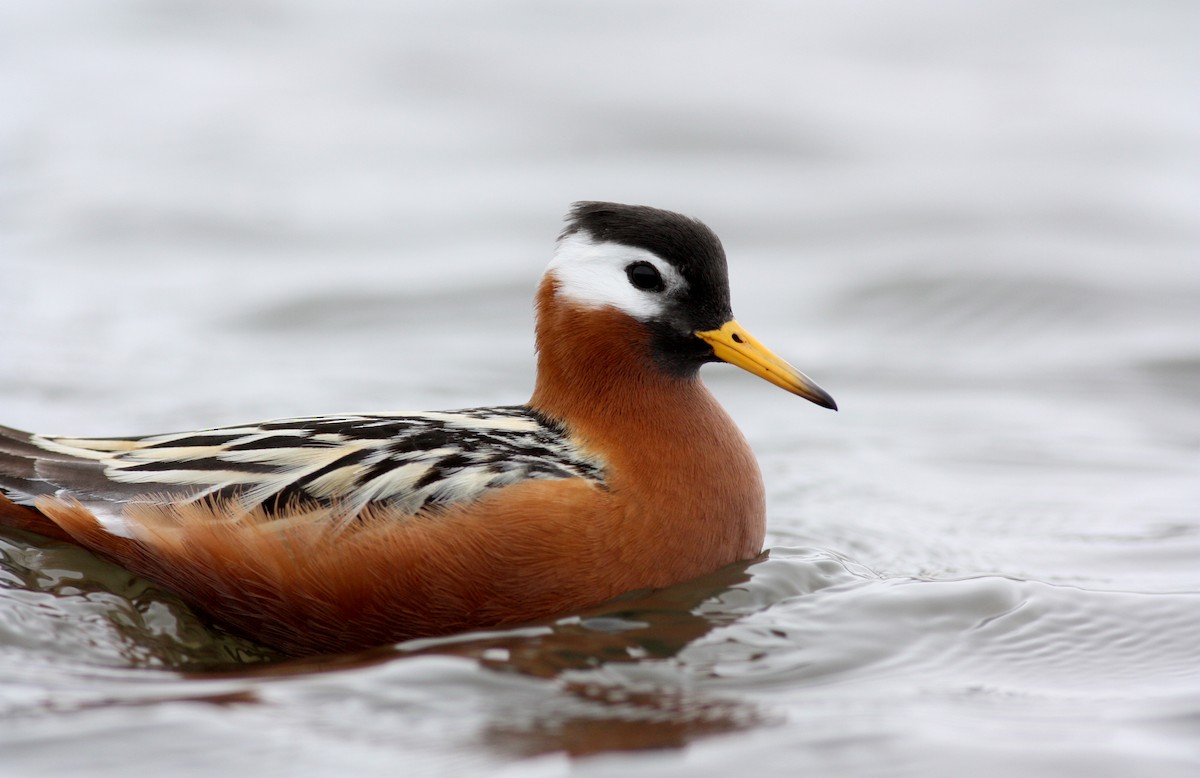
67	605
614	674
596	711
609	678
591	718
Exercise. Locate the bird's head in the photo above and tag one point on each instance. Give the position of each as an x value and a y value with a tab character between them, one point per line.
667	272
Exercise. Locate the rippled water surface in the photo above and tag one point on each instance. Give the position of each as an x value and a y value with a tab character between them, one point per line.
975	224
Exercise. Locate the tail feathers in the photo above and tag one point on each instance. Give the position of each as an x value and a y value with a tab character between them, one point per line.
17	443
18	467
30	474
28	471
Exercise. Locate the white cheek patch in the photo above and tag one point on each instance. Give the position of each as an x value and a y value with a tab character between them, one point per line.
593	274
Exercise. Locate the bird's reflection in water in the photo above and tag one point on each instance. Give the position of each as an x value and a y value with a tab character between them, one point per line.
613	694
615	687
593	718
613	684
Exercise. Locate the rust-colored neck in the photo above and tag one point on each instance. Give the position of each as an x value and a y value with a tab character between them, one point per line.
667	444
595	373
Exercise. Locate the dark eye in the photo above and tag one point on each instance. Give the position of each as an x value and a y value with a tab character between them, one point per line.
645	276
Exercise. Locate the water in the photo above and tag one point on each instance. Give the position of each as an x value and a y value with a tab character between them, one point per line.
976	225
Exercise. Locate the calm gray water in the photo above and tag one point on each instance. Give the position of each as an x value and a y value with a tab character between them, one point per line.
976	224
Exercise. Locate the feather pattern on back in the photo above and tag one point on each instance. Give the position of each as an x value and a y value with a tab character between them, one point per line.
406	461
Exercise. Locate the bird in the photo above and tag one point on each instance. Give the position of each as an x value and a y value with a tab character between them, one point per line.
327	534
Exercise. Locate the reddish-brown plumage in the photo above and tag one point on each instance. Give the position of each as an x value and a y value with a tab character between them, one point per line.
682	496
682	477
20	517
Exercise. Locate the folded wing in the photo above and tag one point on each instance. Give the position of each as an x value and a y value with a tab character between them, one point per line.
406	462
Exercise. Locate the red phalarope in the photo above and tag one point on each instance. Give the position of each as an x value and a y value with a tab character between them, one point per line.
332	533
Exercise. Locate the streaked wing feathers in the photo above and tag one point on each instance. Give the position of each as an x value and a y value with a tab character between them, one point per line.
408	461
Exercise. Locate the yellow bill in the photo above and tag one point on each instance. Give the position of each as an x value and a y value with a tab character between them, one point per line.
731	343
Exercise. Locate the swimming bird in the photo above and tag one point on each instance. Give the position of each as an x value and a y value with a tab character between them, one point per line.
333	533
